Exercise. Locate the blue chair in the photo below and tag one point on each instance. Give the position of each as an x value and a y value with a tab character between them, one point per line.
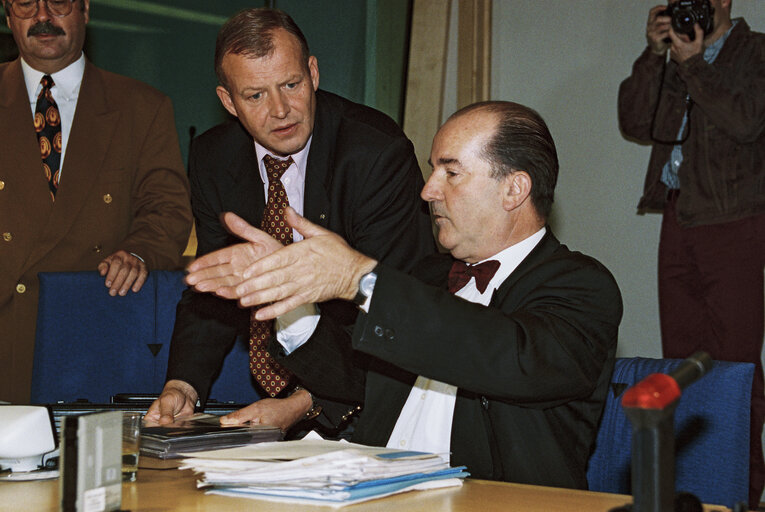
711	432
92	346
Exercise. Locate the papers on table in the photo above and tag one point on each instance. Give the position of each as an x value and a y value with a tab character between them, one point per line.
315	471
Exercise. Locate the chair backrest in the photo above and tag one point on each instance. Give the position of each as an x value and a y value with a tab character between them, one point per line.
711	432
92	346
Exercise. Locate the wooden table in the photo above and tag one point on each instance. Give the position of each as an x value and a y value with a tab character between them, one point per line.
174	490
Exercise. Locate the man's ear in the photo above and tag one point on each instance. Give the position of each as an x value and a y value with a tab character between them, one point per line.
313	70
225	98
516	189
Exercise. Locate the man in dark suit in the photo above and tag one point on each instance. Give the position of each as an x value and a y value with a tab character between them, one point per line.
349	168
119	200
509	377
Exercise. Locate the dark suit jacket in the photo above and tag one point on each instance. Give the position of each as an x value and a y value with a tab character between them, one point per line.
532	368
362	182
123	187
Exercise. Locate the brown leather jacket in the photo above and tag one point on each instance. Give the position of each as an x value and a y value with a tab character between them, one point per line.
722	176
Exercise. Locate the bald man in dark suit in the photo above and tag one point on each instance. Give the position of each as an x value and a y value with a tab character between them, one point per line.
497	356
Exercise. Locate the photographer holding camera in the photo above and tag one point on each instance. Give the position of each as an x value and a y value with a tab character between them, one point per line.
702	109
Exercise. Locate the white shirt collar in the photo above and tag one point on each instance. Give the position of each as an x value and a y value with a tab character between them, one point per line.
300	158
67	80
509	259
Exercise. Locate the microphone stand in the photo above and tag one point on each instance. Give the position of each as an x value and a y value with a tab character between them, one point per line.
650	406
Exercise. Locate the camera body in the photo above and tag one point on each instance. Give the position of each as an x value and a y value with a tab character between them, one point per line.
685	13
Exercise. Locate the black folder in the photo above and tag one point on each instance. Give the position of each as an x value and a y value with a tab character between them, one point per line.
206	433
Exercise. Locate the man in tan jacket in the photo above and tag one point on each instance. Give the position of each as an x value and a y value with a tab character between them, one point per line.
121	201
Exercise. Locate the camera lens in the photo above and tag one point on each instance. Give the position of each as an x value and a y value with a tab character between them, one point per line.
682	21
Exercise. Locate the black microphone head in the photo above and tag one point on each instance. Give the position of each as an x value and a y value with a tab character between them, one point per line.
692	369
702	360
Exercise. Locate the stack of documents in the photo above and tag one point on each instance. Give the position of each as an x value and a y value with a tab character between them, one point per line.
319	472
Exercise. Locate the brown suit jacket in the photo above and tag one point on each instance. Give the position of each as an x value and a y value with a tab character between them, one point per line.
123	186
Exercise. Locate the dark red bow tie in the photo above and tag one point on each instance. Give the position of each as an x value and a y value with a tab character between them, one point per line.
461	272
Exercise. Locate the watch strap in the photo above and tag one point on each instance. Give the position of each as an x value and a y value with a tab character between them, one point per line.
315	409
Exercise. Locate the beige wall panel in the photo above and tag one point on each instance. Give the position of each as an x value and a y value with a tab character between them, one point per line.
474	52
425	78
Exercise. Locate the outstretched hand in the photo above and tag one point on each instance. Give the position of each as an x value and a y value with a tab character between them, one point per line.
223	269
320	267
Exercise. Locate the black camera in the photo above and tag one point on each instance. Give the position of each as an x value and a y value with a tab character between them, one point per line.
685	13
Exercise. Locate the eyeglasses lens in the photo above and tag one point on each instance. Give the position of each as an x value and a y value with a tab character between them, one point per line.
26	9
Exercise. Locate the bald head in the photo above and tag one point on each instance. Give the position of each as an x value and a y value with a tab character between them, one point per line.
520	141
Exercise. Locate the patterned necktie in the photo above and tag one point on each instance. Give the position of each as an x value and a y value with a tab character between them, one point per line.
461	272
48	128
271	376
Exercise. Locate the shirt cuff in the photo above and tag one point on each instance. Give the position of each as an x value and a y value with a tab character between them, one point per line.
365	306
293	329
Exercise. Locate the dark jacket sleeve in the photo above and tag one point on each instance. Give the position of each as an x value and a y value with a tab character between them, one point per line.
327	364
544	340
545	343
737	108
639	95
206	326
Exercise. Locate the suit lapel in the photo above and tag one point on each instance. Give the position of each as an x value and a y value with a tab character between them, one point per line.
319	170
92	131
542	251
28	199
247	196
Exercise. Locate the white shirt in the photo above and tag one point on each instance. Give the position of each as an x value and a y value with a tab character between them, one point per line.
300	322
65	91
425	421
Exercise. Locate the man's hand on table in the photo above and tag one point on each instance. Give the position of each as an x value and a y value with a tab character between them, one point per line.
178	398
278	412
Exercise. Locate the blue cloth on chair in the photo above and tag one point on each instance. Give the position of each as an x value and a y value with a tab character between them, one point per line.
711	432
92	346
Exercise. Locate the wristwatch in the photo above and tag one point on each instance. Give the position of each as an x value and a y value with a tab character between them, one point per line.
366	287
315	409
